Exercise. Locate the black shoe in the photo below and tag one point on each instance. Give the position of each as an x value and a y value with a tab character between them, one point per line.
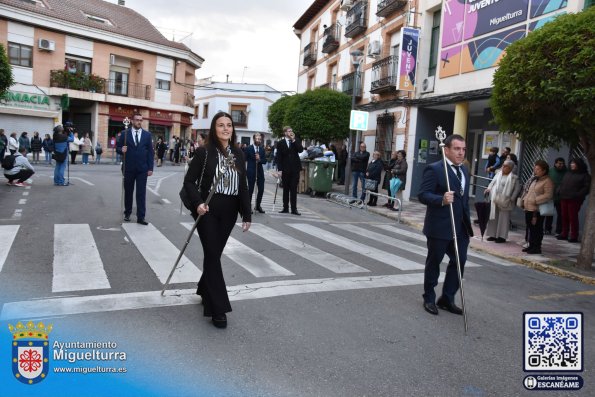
533	251
295	212
526	249
491	238
285	211
127	218
444	304
219	320
548	232
142	222
431	308
560	237
500	240
573	240
259	209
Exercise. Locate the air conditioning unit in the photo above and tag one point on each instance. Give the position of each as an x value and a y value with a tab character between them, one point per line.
346	5
427	85
374	49
47	45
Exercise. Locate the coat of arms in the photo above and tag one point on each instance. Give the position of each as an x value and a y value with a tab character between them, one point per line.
30	351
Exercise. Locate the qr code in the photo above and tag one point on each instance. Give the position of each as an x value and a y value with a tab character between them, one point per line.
553	342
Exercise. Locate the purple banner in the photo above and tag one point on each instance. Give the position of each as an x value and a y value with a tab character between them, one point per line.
453	18
484	16
408	59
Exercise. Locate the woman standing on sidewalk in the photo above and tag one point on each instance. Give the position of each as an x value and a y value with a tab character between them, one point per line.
400	171
573	190
48	148
373	172
540	191
36	145
87	149
503	190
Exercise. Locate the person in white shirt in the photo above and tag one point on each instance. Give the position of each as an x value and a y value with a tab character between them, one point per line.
21	171
13	143
74	147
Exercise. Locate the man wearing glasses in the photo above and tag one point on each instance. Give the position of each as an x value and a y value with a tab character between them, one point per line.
359	163
289	167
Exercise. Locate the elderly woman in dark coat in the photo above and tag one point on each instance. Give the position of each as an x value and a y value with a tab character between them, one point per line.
573	190
400	171
387	177
374	172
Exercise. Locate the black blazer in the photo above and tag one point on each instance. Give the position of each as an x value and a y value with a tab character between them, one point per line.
288	159
195	170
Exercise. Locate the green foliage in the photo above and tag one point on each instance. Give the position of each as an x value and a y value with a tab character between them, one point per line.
77	81
6	79
277	113
544	88
320	115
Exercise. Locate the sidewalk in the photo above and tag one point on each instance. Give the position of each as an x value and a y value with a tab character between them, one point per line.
558	257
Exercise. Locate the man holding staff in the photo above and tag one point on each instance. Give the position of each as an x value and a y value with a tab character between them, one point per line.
438	225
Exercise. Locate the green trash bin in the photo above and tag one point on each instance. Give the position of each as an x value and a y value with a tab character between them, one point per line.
320	176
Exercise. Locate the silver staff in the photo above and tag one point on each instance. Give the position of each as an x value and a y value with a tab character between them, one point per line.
126	123
441	135
229	162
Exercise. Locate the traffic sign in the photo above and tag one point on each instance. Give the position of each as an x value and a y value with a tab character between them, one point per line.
359	120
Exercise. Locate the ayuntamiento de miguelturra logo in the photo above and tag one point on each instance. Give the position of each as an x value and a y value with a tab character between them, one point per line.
30	351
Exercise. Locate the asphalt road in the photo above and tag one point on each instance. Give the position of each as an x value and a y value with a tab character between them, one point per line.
326	304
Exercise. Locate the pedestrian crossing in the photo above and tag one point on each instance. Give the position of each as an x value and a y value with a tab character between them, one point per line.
78	263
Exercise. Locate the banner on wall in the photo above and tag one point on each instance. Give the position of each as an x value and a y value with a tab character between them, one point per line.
408	59
487	16
486	52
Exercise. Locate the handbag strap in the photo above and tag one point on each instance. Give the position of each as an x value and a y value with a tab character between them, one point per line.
204	165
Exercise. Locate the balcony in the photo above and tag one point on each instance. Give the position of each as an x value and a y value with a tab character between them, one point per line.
387	7
78	81
351	84
310	54
132	90
329	86
384	75
356	19
331	38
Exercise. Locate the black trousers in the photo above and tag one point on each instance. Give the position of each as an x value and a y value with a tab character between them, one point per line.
140	180
21	176
73	154
258	180
214	229
437	248
290	182
535	231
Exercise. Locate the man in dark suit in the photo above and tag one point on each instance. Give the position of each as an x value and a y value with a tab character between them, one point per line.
136	147
289	166
255	158
437	225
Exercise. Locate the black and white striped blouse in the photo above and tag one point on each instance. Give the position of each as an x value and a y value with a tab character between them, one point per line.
230	182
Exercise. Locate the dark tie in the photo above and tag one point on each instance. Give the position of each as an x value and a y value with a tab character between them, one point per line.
136	137
459	177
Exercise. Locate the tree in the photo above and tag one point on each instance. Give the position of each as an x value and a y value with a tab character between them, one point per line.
277	113
6	79
544	91
321	115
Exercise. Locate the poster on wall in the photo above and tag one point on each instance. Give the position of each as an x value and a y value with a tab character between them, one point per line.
490	139
482	16
422	151
450	62
407	59
542	7
487	52
537	24
433	148
453	18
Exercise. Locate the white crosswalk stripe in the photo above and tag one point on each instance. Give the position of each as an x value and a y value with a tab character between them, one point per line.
158	251
307	251
254	262
362	249
77	264
7	236
383	238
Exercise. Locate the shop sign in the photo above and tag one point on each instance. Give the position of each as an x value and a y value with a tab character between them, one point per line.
25	100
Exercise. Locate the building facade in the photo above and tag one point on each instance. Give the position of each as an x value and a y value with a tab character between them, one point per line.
454	47
248	105
93	63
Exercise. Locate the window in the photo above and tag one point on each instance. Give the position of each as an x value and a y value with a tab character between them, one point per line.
434	44
205	111
99	20
35	3
76	64
20	55
239	115
196	111
118	83
162	84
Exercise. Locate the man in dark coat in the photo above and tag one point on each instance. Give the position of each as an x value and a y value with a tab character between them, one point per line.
434	193
289	166
255	158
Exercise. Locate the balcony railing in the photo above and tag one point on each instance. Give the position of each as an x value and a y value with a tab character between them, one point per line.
123	88
77	81
387	7
384	74
351	84
331	38
329	86
92	83
356	19
310	54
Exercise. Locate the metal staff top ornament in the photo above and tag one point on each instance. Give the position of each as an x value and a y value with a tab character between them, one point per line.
126	122
440	135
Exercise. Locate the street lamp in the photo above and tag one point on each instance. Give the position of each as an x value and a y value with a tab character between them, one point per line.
356	58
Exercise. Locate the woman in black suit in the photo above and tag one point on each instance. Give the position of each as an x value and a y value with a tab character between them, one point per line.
219	217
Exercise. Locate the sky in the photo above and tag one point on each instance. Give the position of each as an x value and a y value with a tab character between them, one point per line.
251	40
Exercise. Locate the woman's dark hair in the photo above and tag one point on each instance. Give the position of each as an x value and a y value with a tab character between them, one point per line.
212	138
543	165
514	158
403	153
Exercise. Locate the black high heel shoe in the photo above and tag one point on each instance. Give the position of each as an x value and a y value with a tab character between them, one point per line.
220	320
